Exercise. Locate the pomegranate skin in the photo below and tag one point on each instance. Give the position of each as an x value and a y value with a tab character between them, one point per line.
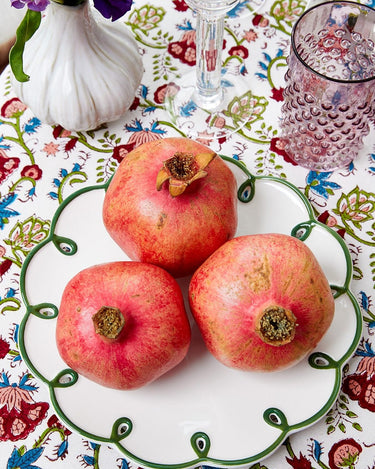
154	339
175	233
246	276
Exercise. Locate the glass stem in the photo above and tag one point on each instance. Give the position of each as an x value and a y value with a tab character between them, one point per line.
209	41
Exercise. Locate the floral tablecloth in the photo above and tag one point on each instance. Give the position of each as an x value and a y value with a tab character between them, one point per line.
41	165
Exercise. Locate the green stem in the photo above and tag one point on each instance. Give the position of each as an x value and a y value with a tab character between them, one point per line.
252	139
13	187
83	140
233	36
353	235
306	193
369	319
72	177
233	57
322	465
10	304
19	140
288	447
281	28
151	104
168	124
96	456
46	434
15	260
145	43
269	69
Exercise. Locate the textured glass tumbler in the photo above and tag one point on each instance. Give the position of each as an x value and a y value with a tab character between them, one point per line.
330	85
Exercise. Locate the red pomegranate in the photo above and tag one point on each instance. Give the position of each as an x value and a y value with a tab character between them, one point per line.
122	324
172	202
262	302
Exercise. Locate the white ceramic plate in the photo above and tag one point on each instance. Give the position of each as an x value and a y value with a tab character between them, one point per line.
201	412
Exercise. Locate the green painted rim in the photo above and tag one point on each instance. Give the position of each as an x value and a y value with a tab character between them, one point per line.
200	441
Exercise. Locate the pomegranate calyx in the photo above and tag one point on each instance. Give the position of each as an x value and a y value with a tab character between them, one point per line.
108	322
182	169
276	326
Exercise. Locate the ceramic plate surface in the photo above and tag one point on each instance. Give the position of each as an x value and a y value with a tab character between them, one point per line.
201	412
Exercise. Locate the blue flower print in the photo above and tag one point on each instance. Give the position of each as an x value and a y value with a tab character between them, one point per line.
5	211
20	460
238	9
319	184
32	125
371	168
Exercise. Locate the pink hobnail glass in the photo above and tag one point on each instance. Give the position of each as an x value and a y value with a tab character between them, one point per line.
330	85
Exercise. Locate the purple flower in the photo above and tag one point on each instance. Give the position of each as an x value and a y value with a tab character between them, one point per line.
113	9
36	5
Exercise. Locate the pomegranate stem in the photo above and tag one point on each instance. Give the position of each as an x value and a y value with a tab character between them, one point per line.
108	322
276	326
182	169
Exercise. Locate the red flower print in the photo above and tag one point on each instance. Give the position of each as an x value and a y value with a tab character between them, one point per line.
344	454
183	51
7	165
60	132
12	107
121	151
165	91
366	399
53	422
19	413
5	265
277	94
277	145
135	104
180	5
4	348
328	219
240	51
71	144
32	171
299	463
353	385
260	20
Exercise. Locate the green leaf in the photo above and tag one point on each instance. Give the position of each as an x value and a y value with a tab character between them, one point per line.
357	426
25	31
342	427
330	429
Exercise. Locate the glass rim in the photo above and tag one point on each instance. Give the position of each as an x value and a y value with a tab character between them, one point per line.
300	19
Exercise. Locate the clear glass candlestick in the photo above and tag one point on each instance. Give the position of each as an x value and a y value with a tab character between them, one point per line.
210	35
211	102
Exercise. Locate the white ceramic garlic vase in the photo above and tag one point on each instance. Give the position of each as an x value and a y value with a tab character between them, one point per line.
84	70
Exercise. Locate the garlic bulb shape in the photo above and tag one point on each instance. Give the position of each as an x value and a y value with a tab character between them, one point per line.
84	70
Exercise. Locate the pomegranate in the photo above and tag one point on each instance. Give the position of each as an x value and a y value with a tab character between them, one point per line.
122	324
172	202
262	302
